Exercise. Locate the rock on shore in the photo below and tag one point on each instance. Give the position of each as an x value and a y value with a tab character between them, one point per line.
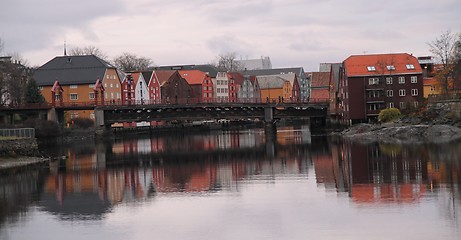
395	133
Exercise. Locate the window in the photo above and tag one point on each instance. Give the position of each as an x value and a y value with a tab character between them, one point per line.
390	93
391	105
401	92
116	85
414	92
373	94
373	81
389	80
371	68
403	105
73	96
111	85
401	80
410	66
390	67
73	86
414	79
373	107
92	116
416	104
91	95
40	88
91	85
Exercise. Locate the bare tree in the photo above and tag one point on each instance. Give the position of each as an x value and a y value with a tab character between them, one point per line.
88	50
443	49
130	62
228	62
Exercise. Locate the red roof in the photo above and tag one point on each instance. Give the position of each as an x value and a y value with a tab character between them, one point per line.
320	93
430	81
377	64
193	77
238	78
164	75
320	79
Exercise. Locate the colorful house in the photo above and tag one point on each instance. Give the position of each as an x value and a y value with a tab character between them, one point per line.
273	88
83	80
201	84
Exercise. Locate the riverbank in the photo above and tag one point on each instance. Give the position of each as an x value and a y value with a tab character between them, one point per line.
401	133
9	163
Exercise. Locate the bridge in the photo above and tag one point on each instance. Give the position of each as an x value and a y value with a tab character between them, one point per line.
109	113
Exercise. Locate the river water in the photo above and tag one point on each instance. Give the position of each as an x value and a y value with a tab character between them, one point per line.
236	185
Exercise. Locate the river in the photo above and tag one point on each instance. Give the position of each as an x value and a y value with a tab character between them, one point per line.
236	185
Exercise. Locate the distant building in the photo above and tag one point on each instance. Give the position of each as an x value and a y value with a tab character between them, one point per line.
304	83
255	64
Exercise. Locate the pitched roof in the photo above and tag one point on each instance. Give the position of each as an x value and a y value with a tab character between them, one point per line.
147	75
70	70
270	82
320	93
320	79
193	77
206	68
164	75
238	78
288	77
377	64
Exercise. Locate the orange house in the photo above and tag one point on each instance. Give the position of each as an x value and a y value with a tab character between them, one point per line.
84	80
272	88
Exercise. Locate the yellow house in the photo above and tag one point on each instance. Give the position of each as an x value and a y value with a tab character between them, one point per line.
431	87
85	80
273	88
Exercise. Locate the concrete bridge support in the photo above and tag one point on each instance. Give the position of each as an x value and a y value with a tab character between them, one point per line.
101	127
270	129
52	115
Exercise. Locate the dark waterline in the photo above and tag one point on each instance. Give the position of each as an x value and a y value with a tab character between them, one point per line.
236	184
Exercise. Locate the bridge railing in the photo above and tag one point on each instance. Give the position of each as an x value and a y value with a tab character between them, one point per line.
18	132
168	101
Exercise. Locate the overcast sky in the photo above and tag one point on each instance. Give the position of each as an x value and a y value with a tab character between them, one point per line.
293	33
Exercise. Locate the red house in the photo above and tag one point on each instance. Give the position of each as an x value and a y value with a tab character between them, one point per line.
370	83
235	81
201	84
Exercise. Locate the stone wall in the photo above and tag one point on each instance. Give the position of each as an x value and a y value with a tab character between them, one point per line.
454	107
19	147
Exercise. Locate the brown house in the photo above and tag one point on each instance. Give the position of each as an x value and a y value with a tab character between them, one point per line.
174	88
370	83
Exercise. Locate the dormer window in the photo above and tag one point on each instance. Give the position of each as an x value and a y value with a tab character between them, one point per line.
371	68
390	67
410	66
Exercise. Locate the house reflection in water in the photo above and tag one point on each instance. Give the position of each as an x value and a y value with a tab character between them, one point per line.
385	173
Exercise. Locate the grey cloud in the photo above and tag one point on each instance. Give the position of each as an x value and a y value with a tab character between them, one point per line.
28	24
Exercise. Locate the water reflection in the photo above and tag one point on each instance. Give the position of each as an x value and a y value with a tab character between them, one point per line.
97	177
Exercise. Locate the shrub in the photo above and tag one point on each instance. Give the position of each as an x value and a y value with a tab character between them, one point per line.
82	123
43	128
389	114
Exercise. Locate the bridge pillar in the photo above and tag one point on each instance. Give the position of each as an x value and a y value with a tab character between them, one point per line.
102	129
270	129
51	115
99	117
